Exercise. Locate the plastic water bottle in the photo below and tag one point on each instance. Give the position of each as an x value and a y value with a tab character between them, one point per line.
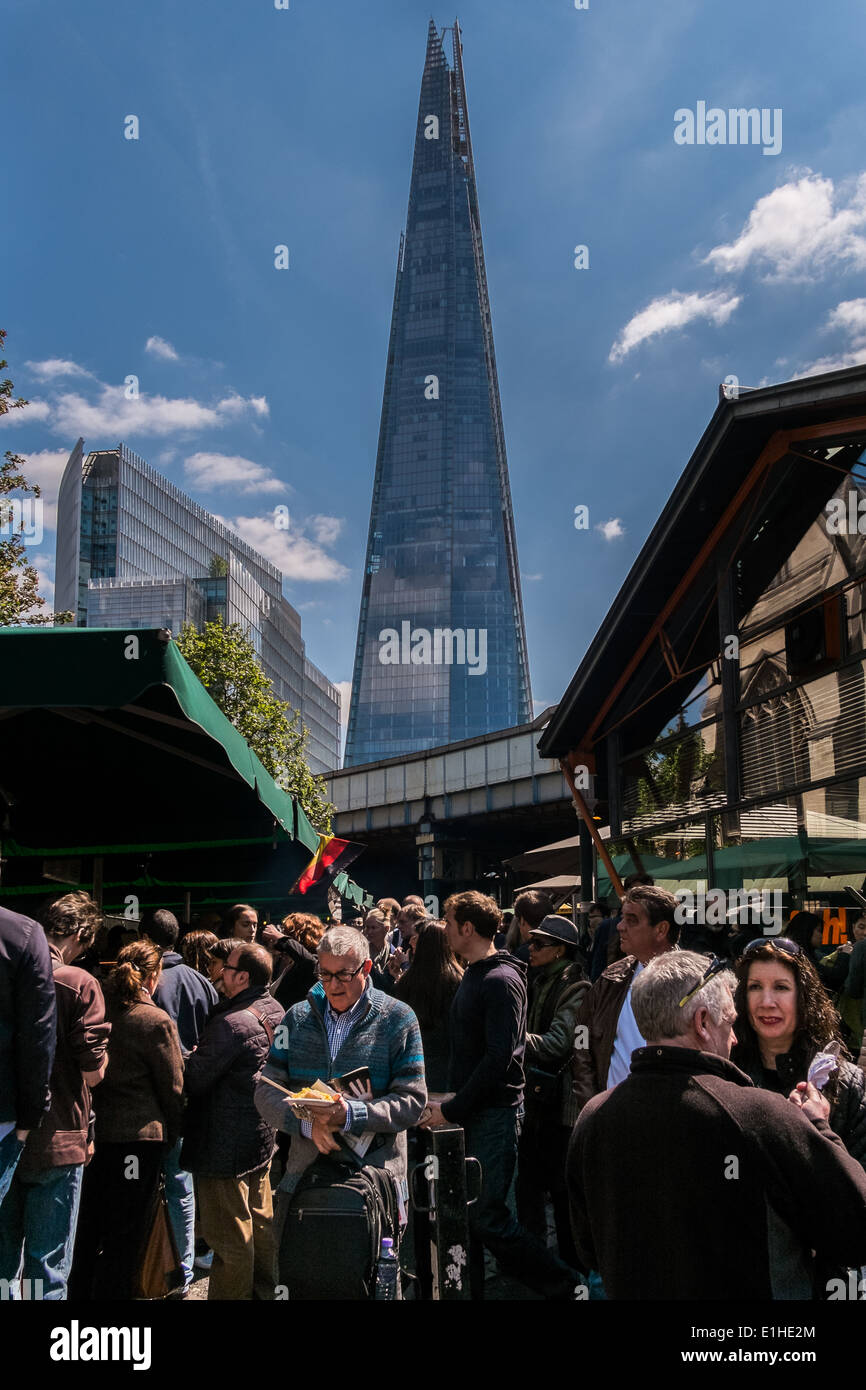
387	1271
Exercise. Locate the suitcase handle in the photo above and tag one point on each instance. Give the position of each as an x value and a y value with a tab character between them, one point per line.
419	1182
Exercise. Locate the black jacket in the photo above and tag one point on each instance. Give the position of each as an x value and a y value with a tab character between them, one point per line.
224	1134
27	1020
848	1109
488	1034
723	1192
291	986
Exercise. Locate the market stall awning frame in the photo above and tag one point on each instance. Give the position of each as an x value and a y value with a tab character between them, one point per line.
120	714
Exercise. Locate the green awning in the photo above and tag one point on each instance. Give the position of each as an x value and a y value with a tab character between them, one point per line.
111	742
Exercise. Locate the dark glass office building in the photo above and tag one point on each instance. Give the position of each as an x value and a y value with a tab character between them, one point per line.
441	648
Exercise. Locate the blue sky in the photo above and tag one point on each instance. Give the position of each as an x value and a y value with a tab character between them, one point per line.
154	257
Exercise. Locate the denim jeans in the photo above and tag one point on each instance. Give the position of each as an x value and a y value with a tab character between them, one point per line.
491	1136
181	1209
11	1149
38	1221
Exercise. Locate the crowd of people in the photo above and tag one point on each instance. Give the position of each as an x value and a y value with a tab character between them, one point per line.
695	1119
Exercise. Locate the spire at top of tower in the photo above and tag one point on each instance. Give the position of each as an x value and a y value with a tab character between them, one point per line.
435	52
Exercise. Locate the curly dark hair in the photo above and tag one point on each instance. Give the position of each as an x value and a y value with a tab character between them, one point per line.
71	914
818	1021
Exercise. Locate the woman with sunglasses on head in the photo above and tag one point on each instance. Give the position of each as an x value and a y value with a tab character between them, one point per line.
784	1018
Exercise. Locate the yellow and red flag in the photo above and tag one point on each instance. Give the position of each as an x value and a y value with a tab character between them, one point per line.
330	859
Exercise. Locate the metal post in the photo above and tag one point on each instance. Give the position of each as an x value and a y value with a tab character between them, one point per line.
441	1178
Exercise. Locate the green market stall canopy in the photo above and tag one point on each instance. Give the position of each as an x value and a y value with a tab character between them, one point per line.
112	747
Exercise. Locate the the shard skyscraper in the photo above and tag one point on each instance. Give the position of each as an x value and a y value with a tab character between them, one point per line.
441	648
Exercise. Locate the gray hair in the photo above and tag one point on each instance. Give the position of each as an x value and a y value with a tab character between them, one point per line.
657	991
344	941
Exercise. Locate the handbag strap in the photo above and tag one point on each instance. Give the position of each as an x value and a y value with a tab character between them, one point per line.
265	1022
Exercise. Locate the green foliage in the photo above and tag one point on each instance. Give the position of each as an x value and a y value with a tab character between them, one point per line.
678	770
225	662
218	567
19	581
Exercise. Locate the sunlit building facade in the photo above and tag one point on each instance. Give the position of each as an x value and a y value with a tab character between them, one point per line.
134	551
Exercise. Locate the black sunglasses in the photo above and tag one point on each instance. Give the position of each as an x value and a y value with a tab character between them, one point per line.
783	943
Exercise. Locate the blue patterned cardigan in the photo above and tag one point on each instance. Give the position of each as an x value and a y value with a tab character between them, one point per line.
386	1040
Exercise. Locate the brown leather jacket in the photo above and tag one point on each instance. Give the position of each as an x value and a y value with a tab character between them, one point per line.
599	1013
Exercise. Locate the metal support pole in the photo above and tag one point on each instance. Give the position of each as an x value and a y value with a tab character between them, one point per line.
439	1188
583	811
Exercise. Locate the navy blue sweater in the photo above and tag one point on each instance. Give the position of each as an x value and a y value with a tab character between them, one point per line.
187	998
488	1036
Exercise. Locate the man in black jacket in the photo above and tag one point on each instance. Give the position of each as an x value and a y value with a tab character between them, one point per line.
488	1033
28	1034
227	1145
688	1182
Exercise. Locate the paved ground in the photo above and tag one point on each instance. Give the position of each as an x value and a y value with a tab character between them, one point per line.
497	1287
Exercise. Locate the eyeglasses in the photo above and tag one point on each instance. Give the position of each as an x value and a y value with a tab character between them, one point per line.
714	968
236	968
344	976
536	945
784	943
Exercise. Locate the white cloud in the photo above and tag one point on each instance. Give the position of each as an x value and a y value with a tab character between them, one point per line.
26	414
230	470
113	413
326	529
296	555
158	347
53	367
854	358
611	530
850	316
671	311
532	578
800	230
44	565
45	469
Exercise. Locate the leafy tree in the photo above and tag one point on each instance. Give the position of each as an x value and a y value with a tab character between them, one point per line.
19	581
676	773
225	662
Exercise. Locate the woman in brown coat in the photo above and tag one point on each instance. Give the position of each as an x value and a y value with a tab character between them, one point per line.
138	1114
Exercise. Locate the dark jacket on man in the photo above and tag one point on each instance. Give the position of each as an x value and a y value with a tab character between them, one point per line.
488	1032
187	997
82	1035
723	1192
27	1020
224	1134
599	1012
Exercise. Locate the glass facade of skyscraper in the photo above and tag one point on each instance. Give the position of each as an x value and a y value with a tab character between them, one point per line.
441	649
134	551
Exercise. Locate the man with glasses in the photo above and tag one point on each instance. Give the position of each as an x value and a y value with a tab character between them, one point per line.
688	1182
346	1025
227	1144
